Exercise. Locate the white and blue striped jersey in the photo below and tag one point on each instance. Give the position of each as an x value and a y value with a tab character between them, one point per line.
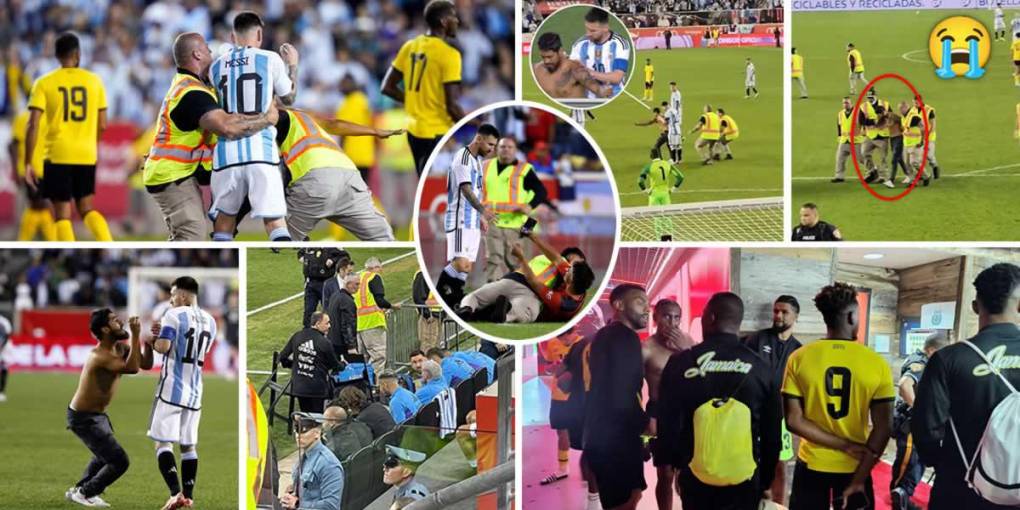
1015	25
612	55
673	122
191	332
460	214
676	102
246	80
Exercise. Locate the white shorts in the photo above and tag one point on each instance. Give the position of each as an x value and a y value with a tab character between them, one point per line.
463	242
261	183
750	83
173	424
674	140
1000	24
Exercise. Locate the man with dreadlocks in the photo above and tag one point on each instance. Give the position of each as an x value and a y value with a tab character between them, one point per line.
830	390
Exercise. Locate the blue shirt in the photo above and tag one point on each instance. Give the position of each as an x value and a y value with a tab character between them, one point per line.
478	361
429	391
322	479
403	405
455	370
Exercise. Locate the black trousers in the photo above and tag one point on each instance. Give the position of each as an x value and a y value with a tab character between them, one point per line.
421	149
311	404
813	490
697	496
907	470
313	296
896	142
109	460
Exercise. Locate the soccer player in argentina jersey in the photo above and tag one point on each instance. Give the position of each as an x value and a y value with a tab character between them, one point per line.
604	53
184	336
247	78
465	212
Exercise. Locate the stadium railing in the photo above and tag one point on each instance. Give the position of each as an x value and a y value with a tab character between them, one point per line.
403	337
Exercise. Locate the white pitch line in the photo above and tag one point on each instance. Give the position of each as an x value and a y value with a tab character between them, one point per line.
299	294
717	190
908	59
971	173
640	102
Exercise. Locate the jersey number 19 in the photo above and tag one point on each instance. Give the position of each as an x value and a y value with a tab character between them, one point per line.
75	96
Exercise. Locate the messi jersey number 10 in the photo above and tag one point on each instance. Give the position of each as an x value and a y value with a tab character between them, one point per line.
193	353
248	90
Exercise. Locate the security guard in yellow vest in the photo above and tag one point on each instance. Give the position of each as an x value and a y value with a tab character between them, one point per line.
430	312
729	131
321	182
929	111
876	141
711	131
188	120
372	305
259	464
512	190
844	122
797	71
856	64
913	142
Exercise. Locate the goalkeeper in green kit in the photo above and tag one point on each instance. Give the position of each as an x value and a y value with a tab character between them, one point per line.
659	179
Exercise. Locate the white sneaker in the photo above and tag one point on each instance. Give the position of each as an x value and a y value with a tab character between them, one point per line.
906	180
3	397
593	503
889	184
94	501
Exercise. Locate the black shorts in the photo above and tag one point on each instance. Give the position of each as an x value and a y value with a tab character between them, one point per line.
62	182
1016	62
421	149
35	196
559	415
694	494
815	489
649	84
619	472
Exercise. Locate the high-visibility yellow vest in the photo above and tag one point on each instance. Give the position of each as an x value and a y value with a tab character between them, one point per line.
928	111
710	129
732	130
869	112
370	316
175	154
912	136
544	269
845	121
308	146
858	61
884	131
505	191
258	446
797	63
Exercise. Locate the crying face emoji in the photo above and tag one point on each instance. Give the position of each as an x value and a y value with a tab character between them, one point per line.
959	46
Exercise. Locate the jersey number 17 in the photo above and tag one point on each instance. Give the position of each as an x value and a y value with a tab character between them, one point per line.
418	62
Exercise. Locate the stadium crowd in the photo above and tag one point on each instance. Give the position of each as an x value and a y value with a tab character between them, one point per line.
676	13
349	45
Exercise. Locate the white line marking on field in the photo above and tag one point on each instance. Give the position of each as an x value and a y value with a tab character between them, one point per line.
302	293
971	173
640	102
906	56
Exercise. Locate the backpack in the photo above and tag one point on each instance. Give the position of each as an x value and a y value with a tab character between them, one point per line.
994	470
723	446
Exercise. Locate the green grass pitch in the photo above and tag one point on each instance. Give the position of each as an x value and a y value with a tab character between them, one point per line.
704	76
275	276
977	153
42	458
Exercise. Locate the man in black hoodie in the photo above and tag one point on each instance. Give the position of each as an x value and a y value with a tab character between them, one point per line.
311	359
614	420
720	367
958	386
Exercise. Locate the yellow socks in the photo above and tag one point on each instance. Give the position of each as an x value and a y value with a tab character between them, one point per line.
65	232
37	220
97	225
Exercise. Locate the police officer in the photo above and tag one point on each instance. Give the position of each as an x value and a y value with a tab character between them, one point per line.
907	470
398	471
812	228
319	265
318	478
311	359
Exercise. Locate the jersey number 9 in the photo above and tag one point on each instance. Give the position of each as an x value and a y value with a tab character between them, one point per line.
76	97
841	410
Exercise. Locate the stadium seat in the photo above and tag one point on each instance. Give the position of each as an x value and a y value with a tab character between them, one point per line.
359	479
391	438
465	398
478	381
428	415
